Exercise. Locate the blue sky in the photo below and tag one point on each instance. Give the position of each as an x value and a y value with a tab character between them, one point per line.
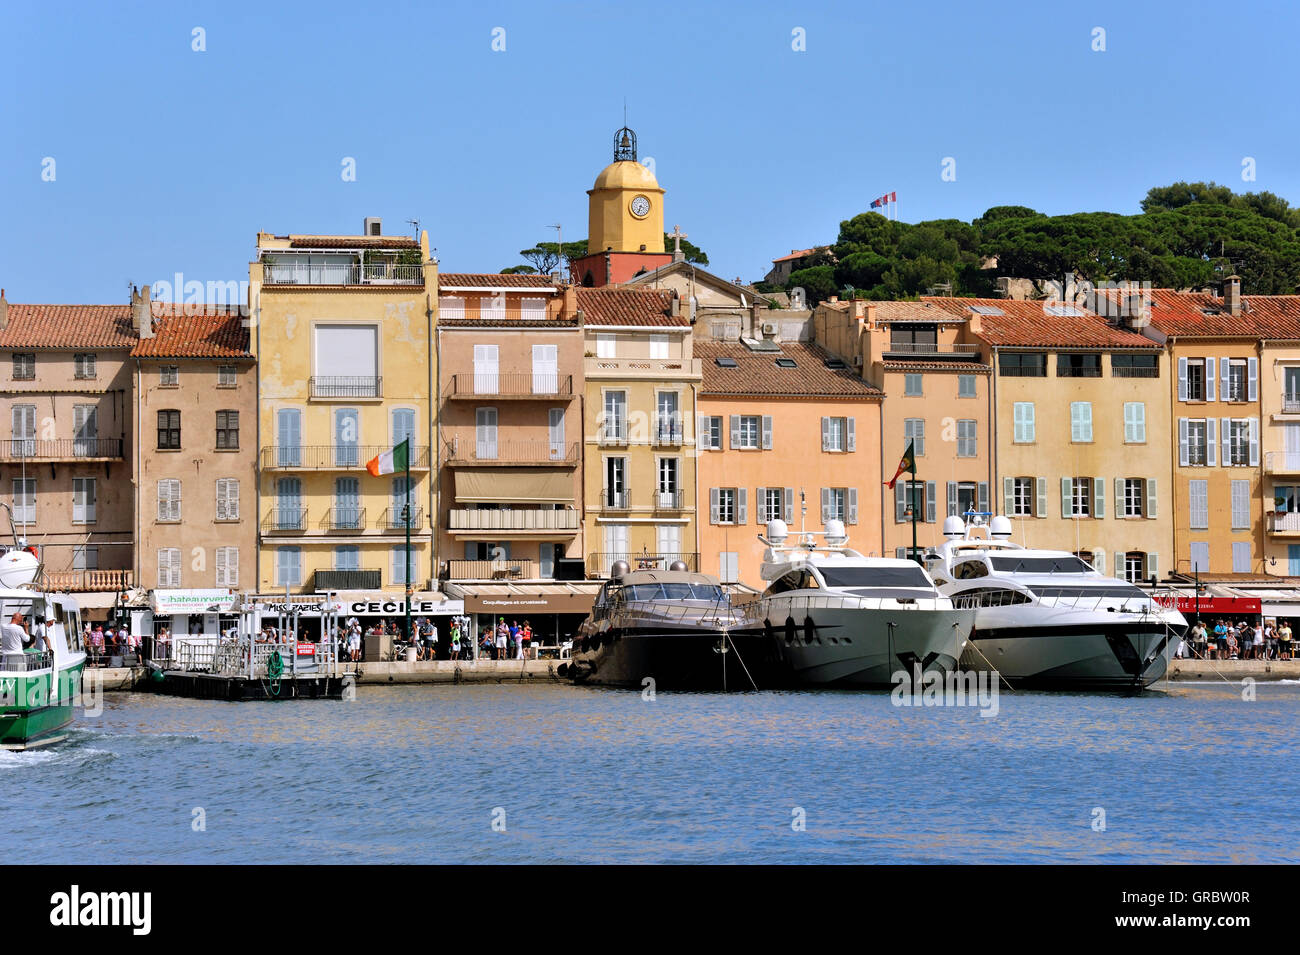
168	160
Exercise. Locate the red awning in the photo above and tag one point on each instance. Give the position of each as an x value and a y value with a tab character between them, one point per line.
1212	606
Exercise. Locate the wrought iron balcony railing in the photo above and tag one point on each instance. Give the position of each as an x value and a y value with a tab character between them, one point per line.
285	519
346	386
344	519
61	449
333	457
522	385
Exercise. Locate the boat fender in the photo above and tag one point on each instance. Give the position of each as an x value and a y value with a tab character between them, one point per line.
768	631
809	630
789	630
562	669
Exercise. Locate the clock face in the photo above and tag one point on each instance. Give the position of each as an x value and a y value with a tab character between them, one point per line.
640	207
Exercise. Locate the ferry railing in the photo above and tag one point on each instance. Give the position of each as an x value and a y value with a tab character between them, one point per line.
31	660
700	613
837	602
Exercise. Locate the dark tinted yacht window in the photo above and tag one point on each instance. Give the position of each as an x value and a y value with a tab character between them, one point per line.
1041	565
875	577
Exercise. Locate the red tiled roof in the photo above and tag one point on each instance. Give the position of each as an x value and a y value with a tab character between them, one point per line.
1030	325
628	306
798	255
180	333
351	242
1201	314
68	326
758	374
492	280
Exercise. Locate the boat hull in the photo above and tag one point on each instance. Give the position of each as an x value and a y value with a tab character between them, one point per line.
850	646
28	717
678	659
1090	655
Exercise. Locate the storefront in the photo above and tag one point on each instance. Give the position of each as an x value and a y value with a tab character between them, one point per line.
1210	606
554	610
191	613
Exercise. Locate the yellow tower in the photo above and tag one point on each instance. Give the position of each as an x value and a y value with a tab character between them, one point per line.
626	205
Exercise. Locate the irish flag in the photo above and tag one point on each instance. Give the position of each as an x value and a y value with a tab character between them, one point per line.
390	462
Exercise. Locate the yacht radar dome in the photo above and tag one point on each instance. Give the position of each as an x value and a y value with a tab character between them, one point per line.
1000	527
777	532
619	570
953	527
835	535
678	565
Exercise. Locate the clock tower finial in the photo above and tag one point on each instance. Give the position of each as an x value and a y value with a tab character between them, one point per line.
624	145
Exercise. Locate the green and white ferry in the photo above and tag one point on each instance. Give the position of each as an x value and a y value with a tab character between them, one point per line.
38	687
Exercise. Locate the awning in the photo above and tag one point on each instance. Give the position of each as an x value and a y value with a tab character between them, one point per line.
165	602
523	599
380	603
95	600
514	486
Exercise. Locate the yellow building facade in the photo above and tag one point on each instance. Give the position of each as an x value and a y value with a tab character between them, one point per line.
343	336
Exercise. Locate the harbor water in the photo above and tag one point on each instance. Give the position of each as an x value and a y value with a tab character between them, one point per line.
549	773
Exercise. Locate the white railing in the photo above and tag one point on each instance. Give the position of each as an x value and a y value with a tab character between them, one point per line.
375	273
1283	462
1283	521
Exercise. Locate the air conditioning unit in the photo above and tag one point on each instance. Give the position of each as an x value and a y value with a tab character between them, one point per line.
769	328
372	226
857	361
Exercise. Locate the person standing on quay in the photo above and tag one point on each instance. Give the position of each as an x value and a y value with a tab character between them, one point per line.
503	634
1284	641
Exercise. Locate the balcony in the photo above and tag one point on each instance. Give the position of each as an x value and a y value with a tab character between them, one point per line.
491	569
666	431
522	387
347	580
1290	404
392	520
75	581
670	368
374	273
615	500
335	386
467	449
333	457
513	519
602	562
668	500
930	351
1282	462
343	519
61	449
612	435
285	520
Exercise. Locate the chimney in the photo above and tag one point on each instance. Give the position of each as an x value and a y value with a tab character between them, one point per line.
142	312
4	311
677	305
372	225
569	303
1232	294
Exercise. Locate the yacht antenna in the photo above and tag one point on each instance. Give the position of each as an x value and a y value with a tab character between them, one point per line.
803	512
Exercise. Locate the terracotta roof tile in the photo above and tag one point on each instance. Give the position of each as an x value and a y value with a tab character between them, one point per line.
956	367
1031	325
913	312
181	333
757	373
68	326
351	242
1200	314
798	255
492	280
629	306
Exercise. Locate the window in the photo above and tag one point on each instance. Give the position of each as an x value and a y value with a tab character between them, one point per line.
726	508
227	566
833	434
966	386
451	307
347	557
616	482
83	365
710	437
669	487
83	500
23	418
659	346
1200	556
914	433
346	361
1134	500
1135	422
226	379
485	434
1241	444
169	430
85	557
169	500
615	425
347	437
1240	500
532	308
1134	366
1192	379
1078	365
401	427
1198	441
288	436
769	504
1023	364
1081	421
912	385
85	430
169	567
1023	415
1022	497
834	504
967	440
24	500
604	345
1236	378
1241	557
227	499
921	493
728	566
745	431
169	376
24	366
1198	502
227	430
288	566
399	570
1134	566
914	337
1080	497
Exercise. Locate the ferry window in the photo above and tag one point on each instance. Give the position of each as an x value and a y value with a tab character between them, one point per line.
1041	565
875	577
970	569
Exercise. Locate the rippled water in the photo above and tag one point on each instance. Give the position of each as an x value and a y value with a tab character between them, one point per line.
414	774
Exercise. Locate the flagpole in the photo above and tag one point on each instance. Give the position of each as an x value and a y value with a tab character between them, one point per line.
407	521
914	557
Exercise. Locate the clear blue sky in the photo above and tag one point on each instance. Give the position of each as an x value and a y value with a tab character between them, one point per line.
171	160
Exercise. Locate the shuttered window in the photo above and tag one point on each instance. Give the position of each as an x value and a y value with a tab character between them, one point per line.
227	499
914	432
169	500
1023	415
967	440
227	567
1135	422
1240	505
1198	499
1081	421
227	430
169	567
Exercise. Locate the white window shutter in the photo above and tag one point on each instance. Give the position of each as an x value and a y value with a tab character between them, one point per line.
1040	497
1224	377
930	502
767	432
1210	380
232	566
1099	561
1119	497
1029	422
789	505
950	499
1099	497
1182	442
1182	379
826	433
853	505
702	431
852	431
221	567
1152	498
713	505
1119	564
734	421
1087	421
1225	435
742	510
1254	440
1067	498
1211	442
900	500
1252	379
1153	565
826	504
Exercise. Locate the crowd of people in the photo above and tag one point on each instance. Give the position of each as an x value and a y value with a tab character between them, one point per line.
104	642
506	641
1267	640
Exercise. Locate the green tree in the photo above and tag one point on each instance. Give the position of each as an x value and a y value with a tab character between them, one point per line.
818	283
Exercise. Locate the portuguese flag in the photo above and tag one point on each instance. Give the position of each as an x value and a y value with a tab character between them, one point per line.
907	464
390	462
